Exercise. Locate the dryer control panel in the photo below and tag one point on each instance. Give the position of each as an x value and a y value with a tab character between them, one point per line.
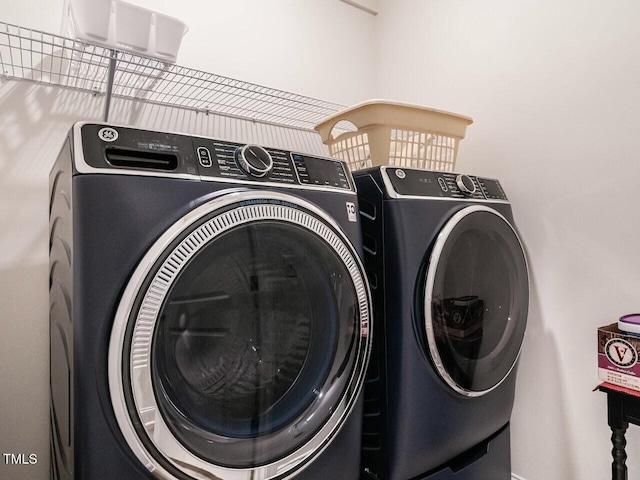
425	183
112	149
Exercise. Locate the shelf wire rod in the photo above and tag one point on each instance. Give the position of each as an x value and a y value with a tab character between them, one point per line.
211	96
66	67
289	125
96	69
147	75
100	68
125	74
202	96
179	93
184	93
11	56
42	74
188	93
167	93
251	104
2	60
74	67
31	54
158	79
201	93
276	95
243	102
267	103
58	72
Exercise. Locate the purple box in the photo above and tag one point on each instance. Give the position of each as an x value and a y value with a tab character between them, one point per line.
618	357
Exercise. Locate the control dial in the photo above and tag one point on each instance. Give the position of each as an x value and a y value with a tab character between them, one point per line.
465	184
254	160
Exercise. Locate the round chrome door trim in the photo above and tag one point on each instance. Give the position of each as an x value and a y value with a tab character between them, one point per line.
147	409
434	261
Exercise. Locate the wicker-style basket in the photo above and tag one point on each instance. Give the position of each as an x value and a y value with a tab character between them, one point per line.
397	134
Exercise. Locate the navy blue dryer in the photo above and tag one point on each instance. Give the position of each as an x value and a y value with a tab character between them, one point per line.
209	311
451	291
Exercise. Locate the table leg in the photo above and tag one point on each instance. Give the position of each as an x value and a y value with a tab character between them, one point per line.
615	407
618	467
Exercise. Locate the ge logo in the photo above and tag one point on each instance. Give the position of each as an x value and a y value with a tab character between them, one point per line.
400	173
351	212
108	134
621	353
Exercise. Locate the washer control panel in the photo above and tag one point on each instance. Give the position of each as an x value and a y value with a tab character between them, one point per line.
424	183
126	150
259	164
243	162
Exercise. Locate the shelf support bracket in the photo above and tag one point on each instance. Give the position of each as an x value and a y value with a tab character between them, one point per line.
111	75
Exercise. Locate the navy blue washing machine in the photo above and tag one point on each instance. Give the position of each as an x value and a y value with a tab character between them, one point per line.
450	285
209	310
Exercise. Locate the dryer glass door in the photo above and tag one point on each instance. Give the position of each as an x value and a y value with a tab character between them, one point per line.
246	343
476	300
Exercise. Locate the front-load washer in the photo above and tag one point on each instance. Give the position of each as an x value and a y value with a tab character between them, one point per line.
209	311
450	285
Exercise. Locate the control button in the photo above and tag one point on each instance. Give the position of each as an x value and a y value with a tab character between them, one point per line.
254	160
465	184
443	184
204	157
400	173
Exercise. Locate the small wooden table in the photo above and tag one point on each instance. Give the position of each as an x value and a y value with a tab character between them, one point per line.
623	408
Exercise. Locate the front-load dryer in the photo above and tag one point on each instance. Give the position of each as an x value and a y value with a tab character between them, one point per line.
451	291
209	311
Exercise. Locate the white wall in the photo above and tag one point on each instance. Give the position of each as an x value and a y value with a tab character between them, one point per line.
319	48
553	89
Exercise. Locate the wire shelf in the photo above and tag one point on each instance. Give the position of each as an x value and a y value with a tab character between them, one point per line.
52	59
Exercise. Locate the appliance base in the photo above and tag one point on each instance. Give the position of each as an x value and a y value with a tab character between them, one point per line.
491	460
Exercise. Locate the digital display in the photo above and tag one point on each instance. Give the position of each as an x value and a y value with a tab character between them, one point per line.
492	189
322	170
319	171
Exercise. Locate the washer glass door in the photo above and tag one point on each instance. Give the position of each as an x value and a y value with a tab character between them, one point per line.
246	342
476	300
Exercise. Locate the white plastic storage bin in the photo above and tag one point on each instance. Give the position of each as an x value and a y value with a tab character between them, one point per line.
124	26
396	134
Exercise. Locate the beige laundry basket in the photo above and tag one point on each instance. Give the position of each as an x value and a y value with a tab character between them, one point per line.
396	134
